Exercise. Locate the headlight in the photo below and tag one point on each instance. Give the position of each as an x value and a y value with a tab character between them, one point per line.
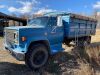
16	38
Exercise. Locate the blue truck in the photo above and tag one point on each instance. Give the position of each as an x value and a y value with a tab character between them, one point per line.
43	36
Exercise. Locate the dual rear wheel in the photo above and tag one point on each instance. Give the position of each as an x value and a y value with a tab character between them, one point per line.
84	41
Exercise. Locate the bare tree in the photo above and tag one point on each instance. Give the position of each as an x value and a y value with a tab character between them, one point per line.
96	15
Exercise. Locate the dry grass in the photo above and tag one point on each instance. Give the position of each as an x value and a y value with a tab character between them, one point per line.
93	52
94	49
1	37
85	69
96	38
91	55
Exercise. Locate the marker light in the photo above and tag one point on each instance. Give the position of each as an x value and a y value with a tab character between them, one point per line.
23	38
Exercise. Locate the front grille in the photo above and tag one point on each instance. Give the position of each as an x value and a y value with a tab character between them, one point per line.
9	37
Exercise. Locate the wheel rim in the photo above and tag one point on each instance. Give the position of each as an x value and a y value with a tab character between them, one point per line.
85	43
39	58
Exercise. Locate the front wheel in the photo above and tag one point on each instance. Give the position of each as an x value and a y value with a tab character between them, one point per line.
37	56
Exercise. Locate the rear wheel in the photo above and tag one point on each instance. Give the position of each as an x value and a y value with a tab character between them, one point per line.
84	41
37	56
88	40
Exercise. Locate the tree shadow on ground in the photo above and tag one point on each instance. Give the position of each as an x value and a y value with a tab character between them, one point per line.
7	68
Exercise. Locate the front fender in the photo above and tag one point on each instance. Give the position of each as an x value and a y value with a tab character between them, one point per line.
31	40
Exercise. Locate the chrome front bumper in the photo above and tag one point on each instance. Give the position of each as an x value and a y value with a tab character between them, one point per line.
18	56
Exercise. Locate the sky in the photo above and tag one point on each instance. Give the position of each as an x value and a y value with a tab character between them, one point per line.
40	6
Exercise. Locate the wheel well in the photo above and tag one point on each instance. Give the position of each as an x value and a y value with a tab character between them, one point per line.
40	42
85	38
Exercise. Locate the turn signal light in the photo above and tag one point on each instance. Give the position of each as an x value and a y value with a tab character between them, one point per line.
23	39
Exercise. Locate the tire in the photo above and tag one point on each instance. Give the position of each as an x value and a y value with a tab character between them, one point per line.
84	42
88	39
37	56
80	43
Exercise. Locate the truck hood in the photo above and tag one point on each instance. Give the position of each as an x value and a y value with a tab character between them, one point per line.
23	27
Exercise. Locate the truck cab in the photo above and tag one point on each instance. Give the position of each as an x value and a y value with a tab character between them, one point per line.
43	36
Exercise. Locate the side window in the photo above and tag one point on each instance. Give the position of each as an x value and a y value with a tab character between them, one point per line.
59	21
52	22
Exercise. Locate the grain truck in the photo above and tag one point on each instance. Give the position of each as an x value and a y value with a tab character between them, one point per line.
43	36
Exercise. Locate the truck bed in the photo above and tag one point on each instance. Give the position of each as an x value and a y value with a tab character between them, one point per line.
78	26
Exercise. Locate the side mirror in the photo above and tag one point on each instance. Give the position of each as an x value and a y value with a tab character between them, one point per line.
59	21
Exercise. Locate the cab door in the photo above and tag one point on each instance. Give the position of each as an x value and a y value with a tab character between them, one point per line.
55	32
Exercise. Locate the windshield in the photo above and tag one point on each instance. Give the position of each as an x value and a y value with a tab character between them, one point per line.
40	21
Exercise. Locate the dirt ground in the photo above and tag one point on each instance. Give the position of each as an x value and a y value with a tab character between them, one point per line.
64	63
